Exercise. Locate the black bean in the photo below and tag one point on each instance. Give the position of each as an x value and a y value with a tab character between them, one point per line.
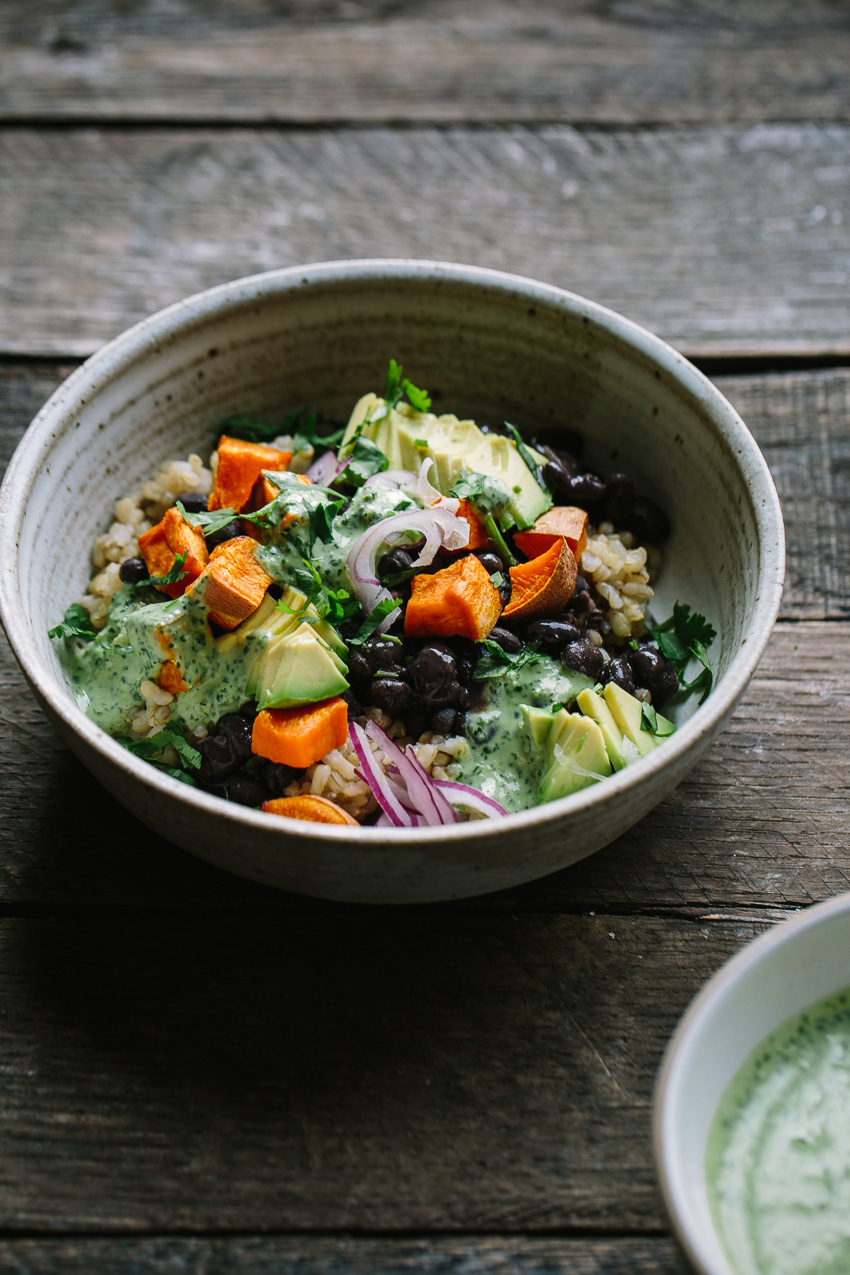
584	657
444	721
390	694
431	673
581	603
508	641
359	668
415	722
133	571
655	672
355	708
491	562
227	532
649	523
618	671
277	778
246	791
380	653
557	479
393	562
237	729
586	489
581	585
218	759
619	498
194	502
551	635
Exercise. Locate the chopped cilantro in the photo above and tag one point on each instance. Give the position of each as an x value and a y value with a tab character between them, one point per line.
76	624
301	425
384	608
497	540
496	662
526	455
152	748
172	576
684	635
364	461
211	522
649	722
421	442
333	605
396	387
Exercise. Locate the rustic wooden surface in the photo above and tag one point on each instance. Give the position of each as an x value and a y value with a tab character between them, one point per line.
200	1075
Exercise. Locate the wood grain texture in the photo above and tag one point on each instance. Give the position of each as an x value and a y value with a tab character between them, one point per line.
307	1255
379	1072
374	61
722	240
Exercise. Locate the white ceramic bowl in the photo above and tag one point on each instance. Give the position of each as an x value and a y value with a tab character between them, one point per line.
490	345
770	980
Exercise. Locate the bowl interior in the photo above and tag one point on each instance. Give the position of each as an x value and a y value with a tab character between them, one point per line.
773	979
481	351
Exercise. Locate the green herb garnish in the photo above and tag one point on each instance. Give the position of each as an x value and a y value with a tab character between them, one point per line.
75	624
364	461
526	455
172	576
384	608
496	662
683	636
209	522
649	722
152	748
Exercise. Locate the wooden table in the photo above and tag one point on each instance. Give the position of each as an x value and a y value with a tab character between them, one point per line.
202	1075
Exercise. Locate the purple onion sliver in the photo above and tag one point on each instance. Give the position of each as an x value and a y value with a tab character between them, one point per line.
323	470
444	808
470	797
376	779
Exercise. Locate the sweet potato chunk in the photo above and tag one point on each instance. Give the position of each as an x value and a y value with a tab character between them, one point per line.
299	736
161	545
544	585
459	601
234	582
313	809
477	535
563	522
239	466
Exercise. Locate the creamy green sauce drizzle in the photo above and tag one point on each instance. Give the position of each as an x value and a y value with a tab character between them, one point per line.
502	761
778	1161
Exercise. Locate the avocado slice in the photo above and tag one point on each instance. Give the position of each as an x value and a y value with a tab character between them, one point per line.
620	751
296	668
537	722
407	437
628	714
577	756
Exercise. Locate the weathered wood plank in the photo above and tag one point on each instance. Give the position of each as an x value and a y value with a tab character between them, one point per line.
316	1256
385	1072
762	820
722	240
434	61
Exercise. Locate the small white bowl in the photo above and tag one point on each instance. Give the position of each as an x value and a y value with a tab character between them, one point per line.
489	345
772	979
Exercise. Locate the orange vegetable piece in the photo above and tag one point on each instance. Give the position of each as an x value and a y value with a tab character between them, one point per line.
239	466
235	582
315	809
563	522
478	538
301	735
544	585
170	678
459	601
160	546
264	492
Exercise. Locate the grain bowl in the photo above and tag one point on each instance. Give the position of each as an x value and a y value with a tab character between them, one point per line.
489	346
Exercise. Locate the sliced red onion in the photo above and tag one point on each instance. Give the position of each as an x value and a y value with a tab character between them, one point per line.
392	478
324	470
423	795
428	495
384	821
463	795
377	780
440	528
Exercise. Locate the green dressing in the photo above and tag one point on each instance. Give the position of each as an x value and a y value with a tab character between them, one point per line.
502	761
778	1161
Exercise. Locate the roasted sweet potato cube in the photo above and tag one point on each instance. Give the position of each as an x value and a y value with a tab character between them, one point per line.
239	466
161	545
459	601
234	584
563	522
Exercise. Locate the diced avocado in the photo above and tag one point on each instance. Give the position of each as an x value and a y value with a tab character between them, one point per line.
577	756
453	445
296	668
620	751
628	714
537	722
256	620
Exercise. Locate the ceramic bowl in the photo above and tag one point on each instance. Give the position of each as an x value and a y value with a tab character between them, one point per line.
769	981
485	344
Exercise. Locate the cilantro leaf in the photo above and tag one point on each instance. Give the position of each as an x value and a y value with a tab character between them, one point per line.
392	384
397	386
211	522
364	461
304	428
384	608
496	662
249	428
172	576
152	748
301	425
418	399
649	722
686	634
527	457
75	624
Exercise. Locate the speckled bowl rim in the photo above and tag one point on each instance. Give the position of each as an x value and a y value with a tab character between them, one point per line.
673	1071
116	358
